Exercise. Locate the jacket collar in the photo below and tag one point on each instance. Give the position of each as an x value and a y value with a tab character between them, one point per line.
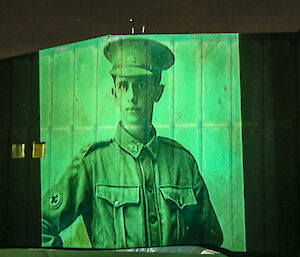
132	145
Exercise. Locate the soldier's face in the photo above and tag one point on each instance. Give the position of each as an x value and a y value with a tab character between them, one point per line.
135	96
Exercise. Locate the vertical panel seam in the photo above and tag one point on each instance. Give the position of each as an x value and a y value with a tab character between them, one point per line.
97	90
9	143
173	96
231	142
264	143
198	93
201	107
50	130
29	140
72	127
297	123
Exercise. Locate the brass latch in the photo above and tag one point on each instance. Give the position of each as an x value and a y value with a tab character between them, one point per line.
38	149
18	150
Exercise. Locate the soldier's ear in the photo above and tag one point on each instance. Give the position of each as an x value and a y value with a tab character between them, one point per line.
158	92
114	94
113	89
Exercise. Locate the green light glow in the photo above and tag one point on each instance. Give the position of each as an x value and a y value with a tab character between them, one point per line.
200	108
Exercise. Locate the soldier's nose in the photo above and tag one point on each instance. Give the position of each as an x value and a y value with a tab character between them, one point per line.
131	94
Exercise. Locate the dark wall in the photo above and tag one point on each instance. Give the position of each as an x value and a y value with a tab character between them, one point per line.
270	111
19	178
28	26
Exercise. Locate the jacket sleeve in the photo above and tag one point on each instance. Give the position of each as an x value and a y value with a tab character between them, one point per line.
65	201
211	233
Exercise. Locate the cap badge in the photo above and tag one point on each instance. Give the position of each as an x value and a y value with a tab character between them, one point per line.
131	59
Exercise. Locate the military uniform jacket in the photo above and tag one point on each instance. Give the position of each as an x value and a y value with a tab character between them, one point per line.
132	195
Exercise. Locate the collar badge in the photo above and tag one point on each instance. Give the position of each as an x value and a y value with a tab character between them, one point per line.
133	147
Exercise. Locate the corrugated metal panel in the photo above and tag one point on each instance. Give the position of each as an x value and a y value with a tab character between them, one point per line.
200	108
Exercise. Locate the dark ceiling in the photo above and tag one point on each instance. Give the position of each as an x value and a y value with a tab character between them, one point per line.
27	26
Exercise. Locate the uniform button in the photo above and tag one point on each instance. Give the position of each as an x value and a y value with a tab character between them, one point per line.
149	190
152	219
116	202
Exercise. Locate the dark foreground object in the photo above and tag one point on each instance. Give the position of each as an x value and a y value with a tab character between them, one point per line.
177	251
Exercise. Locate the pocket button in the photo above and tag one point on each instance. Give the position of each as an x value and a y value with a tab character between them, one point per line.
153	219
149	190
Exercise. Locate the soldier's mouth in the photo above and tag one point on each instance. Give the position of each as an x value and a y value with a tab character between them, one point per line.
132	109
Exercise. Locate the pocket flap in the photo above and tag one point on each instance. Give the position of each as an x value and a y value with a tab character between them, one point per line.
181	195
118	195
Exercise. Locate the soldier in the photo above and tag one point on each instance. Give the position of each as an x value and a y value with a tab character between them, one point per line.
138	189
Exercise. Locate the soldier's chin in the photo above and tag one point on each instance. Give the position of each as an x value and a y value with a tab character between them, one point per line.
133	120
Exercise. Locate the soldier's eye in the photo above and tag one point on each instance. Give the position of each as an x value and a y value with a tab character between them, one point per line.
140	85
123	85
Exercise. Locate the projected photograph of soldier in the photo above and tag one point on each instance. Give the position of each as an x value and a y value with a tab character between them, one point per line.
137	189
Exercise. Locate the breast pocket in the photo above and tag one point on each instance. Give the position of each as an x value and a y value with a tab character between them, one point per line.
119	198
182	205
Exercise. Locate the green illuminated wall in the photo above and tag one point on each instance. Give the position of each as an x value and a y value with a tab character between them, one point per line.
200	108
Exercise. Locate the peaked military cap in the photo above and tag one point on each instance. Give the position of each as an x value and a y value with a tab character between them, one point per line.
137	56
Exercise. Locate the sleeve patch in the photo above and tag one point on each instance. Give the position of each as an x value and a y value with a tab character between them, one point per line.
55	200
